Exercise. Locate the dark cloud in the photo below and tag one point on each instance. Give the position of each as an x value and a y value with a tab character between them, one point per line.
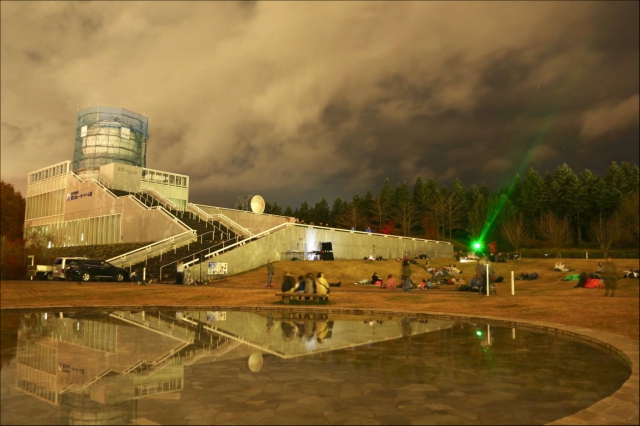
297	101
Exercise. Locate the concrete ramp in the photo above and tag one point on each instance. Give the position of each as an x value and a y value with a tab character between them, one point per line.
295	240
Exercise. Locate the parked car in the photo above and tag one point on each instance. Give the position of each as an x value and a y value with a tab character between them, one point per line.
88	270
60	267
40	272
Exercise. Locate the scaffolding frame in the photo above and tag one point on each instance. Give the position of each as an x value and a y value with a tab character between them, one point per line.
107	135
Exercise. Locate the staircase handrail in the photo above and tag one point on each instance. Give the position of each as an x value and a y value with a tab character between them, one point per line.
142	253
242	242
400	237
104	181
233	224
284	225
172	216
75	176
198	252
157	195
198	212
228	222
107	190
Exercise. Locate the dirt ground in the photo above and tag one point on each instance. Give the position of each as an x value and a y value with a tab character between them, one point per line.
547	299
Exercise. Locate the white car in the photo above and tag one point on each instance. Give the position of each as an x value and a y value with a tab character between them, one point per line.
59	266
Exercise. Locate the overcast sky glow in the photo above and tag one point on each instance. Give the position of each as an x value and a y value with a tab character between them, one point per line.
300	100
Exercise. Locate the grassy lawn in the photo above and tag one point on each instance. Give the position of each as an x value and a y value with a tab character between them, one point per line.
547	299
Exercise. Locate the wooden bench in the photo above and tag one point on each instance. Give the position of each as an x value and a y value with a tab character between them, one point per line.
302	297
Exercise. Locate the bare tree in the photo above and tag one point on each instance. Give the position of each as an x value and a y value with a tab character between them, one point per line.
380	210
407	216
437	213
477	217
447	213
515	231
455	214
554	229
606	232
629	217
351	217
38	243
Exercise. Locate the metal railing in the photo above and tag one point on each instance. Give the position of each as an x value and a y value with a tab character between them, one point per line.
241	242
102	186
159	197
285	225
155	249
104	182
226	221
193	255
107	190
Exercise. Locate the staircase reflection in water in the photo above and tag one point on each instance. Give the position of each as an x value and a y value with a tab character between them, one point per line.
95	368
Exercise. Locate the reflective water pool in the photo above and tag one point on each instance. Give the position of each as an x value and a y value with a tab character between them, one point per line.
199	367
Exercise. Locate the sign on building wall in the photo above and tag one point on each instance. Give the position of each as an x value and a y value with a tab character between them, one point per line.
83	131
217	268
216	316
76	195
125	132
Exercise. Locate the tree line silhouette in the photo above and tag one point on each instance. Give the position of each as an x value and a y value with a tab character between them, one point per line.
560	209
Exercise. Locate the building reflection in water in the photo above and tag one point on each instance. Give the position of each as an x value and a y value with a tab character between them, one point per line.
96	366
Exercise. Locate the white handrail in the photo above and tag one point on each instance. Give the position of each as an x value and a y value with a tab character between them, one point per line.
198	211
229	223
103	187
154	193
95	181
154	249
367	233
233	224
241	242
283	225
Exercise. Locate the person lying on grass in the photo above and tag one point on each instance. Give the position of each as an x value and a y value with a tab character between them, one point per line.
390	284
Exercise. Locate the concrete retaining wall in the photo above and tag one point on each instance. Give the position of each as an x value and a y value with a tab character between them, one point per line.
346	245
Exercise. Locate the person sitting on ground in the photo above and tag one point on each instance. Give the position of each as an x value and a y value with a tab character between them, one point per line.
288	283
301	284
322	286
375	279
424	285
309	284
453	270
474	285
561	267
391	283
500	258
582	280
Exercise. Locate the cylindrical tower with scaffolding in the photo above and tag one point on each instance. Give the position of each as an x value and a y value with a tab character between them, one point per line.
107	135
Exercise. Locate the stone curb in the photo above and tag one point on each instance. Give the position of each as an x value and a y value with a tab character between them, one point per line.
619	408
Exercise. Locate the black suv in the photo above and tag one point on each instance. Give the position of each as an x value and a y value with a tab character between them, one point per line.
87	270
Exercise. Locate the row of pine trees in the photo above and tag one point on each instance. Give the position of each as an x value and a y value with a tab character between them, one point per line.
562	208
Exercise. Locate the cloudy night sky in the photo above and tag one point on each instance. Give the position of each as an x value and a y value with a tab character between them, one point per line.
296	101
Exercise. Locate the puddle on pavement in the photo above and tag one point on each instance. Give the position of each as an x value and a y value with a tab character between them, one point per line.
199	367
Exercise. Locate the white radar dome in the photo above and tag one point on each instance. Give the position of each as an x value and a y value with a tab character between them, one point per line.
257	204
255	362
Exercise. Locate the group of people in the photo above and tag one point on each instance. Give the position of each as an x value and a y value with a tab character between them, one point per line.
607	273
442	272
310	283
562	267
